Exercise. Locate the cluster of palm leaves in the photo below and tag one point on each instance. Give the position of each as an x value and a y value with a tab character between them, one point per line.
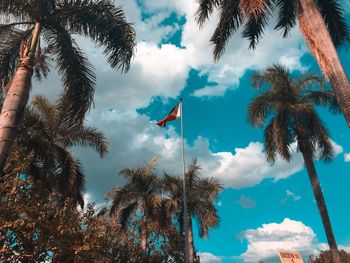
47	141
158	204
321	22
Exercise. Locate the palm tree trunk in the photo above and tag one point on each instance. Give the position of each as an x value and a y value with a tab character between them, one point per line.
318	39
190	241
144	236
322	208
17	97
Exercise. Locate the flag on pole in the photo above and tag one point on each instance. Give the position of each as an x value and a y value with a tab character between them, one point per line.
174	114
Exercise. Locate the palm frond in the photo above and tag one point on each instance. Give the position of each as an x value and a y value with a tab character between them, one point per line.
309	81
324	99
287	15
269	143
80	186
17	8
10	45
209	188
77	75
333	15
192	173
69	176
253	8
42	64
230	20
205	9
153	204
87	137
284	136
45	110
121	197
206	217
164	214
260	108
127	173
105	24
126	212
276	77
254	29
321	138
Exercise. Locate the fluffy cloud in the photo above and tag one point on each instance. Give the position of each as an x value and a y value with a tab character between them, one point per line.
135	139
209	258
265	241
160	69
248	166
237	58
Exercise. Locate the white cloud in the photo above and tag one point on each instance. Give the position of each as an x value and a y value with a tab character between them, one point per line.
237	58
134	139
162	70
248	166
209	91
347	157
293	196
209	258
265	241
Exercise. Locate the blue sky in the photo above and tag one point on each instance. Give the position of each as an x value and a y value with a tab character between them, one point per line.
263	207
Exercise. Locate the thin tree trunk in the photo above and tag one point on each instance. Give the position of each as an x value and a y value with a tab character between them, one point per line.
322	208
144	235
17	97
318	39
190	241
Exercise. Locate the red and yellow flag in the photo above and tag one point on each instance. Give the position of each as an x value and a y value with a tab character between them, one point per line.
174	114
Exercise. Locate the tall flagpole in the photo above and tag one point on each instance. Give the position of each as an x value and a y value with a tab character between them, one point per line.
184	188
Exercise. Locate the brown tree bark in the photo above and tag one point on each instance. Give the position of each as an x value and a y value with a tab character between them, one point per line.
322	208
17	97
317	37
190	241
144	236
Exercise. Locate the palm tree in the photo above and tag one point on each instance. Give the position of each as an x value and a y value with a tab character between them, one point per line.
139	194
322	24
53	22
288	105
201	196
44	134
